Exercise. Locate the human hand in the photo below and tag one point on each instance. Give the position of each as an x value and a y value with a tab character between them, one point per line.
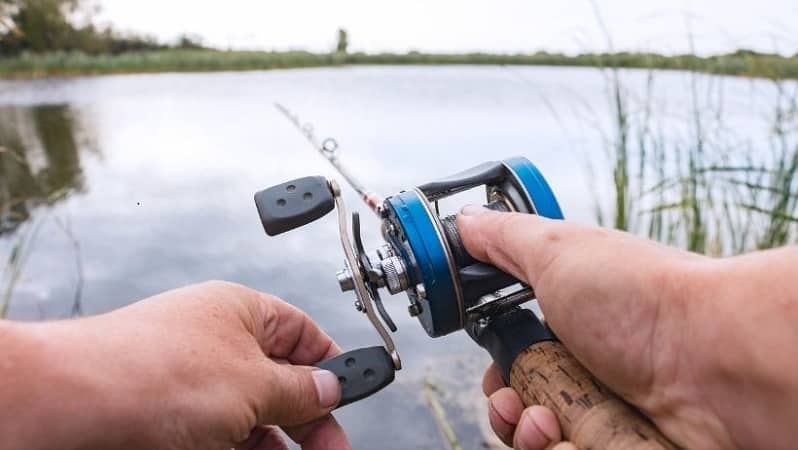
211	366
622	306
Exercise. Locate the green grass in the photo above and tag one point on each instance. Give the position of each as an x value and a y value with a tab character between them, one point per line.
49	64
20	252
700	190
741	63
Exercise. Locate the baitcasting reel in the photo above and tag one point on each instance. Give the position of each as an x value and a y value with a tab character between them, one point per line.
424	257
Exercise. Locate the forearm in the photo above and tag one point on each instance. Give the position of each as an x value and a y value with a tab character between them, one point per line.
49	396
754	329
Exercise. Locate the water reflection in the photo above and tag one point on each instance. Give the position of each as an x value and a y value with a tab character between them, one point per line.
170	201
39	161
40	165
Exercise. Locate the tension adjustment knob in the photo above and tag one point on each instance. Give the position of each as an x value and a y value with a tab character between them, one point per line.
395	274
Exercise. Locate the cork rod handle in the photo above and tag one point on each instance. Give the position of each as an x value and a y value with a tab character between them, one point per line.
591	417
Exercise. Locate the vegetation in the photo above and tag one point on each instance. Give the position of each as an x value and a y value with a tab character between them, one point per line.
44	38
343	41
698	185
688	182
18	256
684	177
38	26
741	63
28	182
33	65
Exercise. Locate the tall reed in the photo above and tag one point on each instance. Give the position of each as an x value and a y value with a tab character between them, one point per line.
702	190
18	257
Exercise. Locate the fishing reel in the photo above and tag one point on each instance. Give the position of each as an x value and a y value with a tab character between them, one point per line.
423	257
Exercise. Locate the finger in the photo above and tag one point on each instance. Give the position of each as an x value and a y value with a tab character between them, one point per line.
564	446
504	412
294	395
322	434
525	245
521	244
537	429
290	334
264	438
492	381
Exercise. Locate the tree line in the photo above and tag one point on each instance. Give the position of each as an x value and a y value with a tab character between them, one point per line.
39	26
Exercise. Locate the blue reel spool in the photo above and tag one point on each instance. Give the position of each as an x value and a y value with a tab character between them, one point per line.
442	284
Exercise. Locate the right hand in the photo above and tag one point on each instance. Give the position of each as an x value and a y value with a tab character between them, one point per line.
657	325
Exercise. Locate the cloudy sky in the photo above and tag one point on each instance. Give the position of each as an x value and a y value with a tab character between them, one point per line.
467	25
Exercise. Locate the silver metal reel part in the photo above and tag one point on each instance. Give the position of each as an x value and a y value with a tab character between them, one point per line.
356	273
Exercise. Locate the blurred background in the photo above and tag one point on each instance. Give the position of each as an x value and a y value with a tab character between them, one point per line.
134	134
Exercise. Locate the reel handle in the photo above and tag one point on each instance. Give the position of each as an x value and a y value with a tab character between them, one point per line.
294	204
543	372
361	372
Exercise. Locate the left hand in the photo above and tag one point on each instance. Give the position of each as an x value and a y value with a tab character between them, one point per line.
212	366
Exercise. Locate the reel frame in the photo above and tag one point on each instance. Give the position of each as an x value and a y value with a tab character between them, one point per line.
425	258
439	295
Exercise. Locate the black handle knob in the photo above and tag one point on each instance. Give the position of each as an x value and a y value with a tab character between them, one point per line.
294	204
361	372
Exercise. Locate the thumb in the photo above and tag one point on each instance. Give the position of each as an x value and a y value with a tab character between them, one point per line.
297	395
520	244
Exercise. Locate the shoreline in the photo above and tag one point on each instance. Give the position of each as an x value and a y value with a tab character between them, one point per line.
32	66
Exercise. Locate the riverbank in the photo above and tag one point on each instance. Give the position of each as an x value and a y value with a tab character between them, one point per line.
740	63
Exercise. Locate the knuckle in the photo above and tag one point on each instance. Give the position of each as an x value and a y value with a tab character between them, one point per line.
299	399
222	286
557	233
505	231
236	291
225	295
513	227
509	222
673	282
503	430
551	236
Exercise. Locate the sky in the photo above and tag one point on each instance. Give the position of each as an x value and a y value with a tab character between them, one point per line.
504	26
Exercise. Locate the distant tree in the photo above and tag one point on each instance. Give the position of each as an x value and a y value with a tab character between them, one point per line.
5	16
343	41
40	25
190	42
45	25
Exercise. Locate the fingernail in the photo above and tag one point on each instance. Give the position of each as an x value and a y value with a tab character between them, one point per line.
473	210
327	387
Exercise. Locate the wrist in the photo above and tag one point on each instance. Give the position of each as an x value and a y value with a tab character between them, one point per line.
691	322
753	330
31	394
53	394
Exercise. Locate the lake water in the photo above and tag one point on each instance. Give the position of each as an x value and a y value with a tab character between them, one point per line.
142	183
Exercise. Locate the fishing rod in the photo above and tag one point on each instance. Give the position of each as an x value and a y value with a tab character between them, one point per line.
328	148
423	256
